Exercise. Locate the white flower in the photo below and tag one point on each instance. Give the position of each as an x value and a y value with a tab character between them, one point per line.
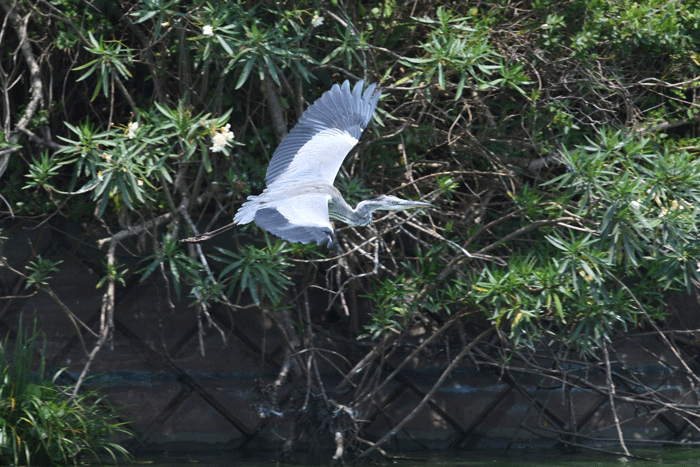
219	141
226	131
208	30
317	21
131	129
100	177
221	137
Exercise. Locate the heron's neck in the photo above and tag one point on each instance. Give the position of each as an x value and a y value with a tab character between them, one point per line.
360	216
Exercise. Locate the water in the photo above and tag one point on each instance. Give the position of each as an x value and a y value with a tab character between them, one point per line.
664	457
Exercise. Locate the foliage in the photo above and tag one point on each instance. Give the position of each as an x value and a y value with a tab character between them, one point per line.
113	56
392	300
516	70
40	270
641	220
268	48
260	271
630	30
631	194
38	422
558	140
180	267
121	165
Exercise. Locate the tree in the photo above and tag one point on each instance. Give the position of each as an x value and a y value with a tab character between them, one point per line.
557	139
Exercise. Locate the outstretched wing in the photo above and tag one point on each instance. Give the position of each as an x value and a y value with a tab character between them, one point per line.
325	134
294	206
303	218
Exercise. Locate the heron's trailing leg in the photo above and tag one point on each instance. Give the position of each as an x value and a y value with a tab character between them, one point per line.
206	236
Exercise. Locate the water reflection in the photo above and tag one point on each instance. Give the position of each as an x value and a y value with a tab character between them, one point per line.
663	457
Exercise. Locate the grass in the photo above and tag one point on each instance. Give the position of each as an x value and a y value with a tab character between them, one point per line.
39	424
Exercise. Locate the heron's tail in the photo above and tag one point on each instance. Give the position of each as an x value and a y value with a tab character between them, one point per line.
246	213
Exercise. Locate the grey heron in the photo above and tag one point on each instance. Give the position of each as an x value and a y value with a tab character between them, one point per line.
300	200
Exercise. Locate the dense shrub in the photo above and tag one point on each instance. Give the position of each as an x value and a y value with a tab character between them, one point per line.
558	140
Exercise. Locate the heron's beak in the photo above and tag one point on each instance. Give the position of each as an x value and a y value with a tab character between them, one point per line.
408	204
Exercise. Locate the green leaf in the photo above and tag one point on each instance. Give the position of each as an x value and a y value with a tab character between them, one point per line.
224	44
146	16
123	190
245	72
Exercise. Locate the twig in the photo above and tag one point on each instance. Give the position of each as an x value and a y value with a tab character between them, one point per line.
106	322
428	396
656	328
611	396
77	322
136	230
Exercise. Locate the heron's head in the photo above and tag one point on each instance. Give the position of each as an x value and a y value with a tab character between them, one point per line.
387	203
392	203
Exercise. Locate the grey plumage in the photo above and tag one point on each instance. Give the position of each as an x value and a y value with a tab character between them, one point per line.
338	109
300	199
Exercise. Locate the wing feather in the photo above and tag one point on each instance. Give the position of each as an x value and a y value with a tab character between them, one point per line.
294	205
303	219
325	134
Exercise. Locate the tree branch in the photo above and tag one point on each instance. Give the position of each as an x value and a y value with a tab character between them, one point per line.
36	89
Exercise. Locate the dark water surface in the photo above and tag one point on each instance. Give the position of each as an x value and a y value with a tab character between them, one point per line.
663	457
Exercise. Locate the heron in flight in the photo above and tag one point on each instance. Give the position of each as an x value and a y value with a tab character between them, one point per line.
300	200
